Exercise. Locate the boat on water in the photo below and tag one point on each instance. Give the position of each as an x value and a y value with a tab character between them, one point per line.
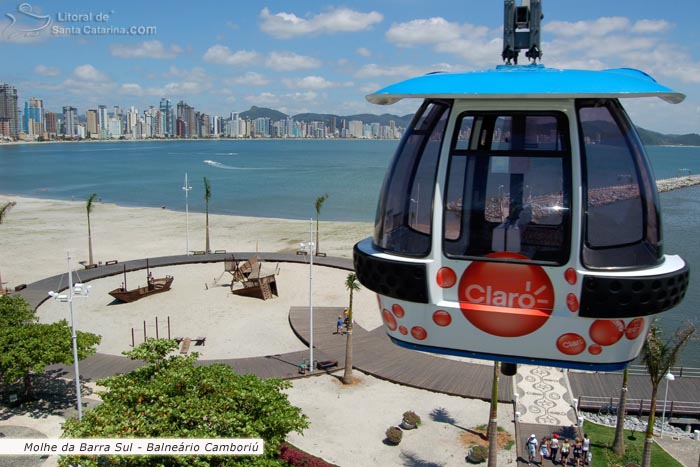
154	286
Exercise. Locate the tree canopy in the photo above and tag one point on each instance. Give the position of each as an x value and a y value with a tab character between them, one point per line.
173	397
28	347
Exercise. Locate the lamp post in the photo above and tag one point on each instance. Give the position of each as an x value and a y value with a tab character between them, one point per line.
311	247
187	189
668	377
79	290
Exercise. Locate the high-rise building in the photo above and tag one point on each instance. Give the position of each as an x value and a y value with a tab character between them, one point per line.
166	110
102	117
33	117
204	125
70	121
92	121
186	120
51	123
9	113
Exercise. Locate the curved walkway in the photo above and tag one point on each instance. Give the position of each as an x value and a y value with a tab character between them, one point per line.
373	351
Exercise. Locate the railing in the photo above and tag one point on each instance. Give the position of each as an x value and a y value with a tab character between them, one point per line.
608	405
677	371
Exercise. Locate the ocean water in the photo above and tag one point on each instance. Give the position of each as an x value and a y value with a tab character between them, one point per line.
266	178
283	178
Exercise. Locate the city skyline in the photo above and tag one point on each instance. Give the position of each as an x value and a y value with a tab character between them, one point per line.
36	123
323	58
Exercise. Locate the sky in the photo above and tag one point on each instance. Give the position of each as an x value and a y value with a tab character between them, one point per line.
325	56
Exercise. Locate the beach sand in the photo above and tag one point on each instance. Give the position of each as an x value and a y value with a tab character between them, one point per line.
347	422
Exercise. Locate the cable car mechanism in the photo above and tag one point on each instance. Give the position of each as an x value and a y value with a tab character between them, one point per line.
519	219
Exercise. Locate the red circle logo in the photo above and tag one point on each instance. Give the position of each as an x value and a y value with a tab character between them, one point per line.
506	299
606	331
634	328
403	330
595	349
571	344
397	310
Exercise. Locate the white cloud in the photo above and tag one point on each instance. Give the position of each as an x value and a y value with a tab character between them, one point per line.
647	26
616	42
476	53
423	31
131	89
373	70
313	82
146	49
194	74
595	28
221	54
263	99
250	78
364	52
289	61
268	99
89	73
285	25
44	70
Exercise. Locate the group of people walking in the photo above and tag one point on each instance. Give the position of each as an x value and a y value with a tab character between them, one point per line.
559	451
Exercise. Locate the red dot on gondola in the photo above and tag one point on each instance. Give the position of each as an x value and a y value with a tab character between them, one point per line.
389	319
419	333
446	277
442	318
398	311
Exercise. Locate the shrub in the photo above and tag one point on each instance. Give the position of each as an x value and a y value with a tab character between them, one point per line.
478	454
394	434
298	458
411	417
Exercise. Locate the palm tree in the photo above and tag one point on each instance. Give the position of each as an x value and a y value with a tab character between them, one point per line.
207	196
351	285
4	209
659	356
619	442
89	205
492	434
319	204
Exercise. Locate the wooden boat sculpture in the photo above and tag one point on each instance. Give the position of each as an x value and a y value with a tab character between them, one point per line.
155	285
253	284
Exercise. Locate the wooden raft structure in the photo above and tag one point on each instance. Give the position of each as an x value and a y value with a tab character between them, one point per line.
252	283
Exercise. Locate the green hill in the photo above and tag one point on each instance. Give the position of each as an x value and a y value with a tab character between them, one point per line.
652	138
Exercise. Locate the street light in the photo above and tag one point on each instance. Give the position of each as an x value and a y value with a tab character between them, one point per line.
312	248
668	377
187	189
79	290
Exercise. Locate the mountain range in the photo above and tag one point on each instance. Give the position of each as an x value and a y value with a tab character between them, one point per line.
649	138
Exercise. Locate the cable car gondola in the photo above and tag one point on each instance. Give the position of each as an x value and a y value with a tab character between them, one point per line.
519	219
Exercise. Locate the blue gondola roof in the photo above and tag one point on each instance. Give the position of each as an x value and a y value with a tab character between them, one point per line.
528	82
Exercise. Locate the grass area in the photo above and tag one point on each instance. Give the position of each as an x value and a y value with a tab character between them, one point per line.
603	456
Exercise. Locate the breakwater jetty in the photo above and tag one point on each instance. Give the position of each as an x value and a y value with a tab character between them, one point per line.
669	184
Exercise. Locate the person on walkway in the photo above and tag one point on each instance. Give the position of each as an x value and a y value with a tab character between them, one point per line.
586	448
544	449
565	449
554	448
531	445
578	450
339	325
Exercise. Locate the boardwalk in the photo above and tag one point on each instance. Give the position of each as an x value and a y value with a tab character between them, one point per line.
373	351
